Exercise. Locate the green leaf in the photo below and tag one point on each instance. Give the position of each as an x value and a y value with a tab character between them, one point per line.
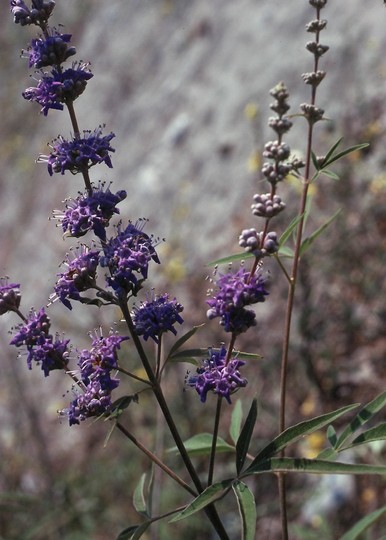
201	445
327	453
245	436
314	160
139	497
231	259
183	339
332	150
247	509
363	524
364	415
339	155
331	436
307	242
289	230
286	251
376	433
134	532
311	466
188	355
294	433
209	495
235	427
329	173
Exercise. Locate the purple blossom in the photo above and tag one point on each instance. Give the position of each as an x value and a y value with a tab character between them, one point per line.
95	366
234	292
49	352
153	318
58	87
38	14
88	212
49	51
78	155
217	376
127	256
80	276
10	296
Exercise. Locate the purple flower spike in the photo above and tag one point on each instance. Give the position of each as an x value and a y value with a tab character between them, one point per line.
93	403
216	376
42	348
90	212
235	291
80	276
38	14
155	317
59	87
127	256
10	296
78	155
50	51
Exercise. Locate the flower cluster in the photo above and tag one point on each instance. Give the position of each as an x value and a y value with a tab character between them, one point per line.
46	350
80	276
10	296
127	256
38	15
217	376
80	153
59	87
90	212
49	51
234	292
155	317
96	365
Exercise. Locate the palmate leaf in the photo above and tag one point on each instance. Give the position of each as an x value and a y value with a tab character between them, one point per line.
247	509
310	466
201	445
294	433
209	495
243	441
363	524
364	415
335	157
377	433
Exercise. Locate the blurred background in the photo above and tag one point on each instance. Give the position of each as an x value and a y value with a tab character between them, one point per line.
184	85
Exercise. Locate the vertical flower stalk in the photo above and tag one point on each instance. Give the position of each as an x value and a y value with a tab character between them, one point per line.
312	115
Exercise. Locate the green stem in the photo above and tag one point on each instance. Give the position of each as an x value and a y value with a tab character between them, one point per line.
210	510
214	440
155	459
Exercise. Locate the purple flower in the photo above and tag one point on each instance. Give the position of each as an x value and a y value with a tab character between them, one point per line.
88	212
155	317
10	296
95	366
216	376
127	256
38	14
56	88
49	51
93	402
234	292
46	351
80	276
78	155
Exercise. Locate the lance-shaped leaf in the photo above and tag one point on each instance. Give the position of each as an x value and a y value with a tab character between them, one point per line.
363	524
183	339
331	157
311	466
245	436
201	445
208	496
289	230
237	415
307	242
141	496
364	415
294	433
377	433
134	532
247	509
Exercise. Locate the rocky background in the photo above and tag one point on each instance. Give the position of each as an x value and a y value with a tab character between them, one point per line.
172	79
